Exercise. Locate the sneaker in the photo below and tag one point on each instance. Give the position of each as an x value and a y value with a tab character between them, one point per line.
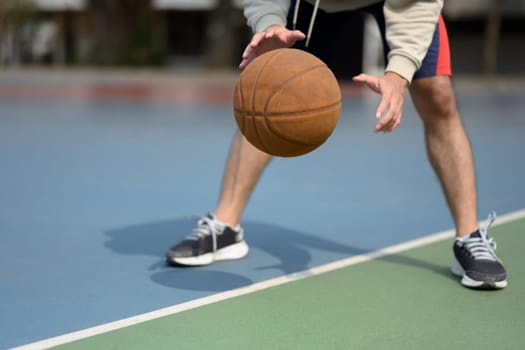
210	241
476	261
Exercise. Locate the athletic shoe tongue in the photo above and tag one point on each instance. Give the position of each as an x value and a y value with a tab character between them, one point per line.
475	234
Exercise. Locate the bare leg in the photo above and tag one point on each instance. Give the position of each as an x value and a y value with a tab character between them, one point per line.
244	167
448	148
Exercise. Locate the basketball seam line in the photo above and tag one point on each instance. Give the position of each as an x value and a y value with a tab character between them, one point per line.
242	104
266	149
266	115
286	82
270	115
288	139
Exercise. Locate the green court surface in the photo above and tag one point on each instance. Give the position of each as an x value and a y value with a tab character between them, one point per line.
404	301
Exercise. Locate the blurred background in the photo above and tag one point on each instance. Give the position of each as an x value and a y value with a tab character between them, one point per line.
487	36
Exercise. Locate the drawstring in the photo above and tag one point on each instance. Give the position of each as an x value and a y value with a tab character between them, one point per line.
312	19
295	13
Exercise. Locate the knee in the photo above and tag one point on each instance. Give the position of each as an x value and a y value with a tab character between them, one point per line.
434	99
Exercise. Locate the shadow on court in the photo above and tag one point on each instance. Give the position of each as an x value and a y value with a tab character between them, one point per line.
420	264
291	249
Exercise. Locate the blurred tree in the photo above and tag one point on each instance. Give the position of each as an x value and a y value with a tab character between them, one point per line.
221	36
126	32
492	36
227	35
14	15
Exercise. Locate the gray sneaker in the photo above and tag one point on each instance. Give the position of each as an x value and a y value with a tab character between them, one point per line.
210	241
476	261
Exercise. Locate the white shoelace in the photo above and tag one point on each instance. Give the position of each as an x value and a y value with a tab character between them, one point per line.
205	227
482	248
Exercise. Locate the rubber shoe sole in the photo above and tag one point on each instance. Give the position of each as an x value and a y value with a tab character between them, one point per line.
468	282
231	252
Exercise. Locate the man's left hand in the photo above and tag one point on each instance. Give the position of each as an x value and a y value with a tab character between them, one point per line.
392	87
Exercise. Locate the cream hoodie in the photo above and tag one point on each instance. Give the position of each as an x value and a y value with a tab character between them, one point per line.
410	25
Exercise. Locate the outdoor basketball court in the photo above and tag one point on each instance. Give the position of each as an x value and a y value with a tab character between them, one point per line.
350	245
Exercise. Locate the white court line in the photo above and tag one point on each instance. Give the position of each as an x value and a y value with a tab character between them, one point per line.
130	321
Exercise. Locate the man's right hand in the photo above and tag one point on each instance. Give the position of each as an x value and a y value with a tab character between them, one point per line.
274	37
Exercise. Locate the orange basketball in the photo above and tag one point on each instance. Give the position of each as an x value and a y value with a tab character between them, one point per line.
287	102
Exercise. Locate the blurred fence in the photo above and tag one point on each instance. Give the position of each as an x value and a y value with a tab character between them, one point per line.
487	36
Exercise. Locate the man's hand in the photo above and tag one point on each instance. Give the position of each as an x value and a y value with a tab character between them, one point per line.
392	89
274	37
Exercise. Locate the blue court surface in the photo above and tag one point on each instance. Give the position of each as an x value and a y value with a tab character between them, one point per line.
102	172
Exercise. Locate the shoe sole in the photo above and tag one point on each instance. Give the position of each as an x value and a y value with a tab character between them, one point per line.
466	281
231	252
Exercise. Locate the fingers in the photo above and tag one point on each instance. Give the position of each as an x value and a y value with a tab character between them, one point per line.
383	106
390	108
284	35
392	118
296	35
371	81
247	56
273	37
388	123
251	49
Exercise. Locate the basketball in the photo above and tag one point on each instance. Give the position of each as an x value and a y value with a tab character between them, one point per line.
287	102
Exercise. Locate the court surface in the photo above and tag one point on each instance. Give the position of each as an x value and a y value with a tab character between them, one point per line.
103	171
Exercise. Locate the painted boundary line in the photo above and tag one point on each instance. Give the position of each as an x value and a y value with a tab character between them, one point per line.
130	321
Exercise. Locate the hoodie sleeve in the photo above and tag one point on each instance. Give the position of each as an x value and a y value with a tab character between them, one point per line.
410	26
260	14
